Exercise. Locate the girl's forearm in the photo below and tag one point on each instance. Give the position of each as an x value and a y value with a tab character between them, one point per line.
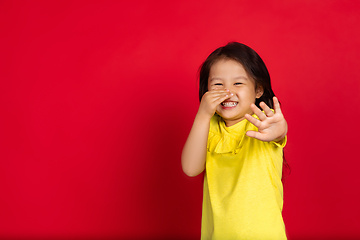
194	152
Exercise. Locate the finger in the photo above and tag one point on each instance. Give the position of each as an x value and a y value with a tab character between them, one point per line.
276	105
219	96
219	90
252	134
214	94
258	112
266	109
217	93
254	121
256	135
221	99
216	87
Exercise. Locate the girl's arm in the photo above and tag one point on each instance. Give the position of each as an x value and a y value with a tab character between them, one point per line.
272	126
194	152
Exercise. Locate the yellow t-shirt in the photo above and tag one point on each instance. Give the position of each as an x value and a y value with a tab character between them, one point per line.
243	193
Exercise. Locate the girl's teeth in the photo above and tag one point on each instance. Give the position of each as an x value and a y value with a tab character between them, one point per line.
229	104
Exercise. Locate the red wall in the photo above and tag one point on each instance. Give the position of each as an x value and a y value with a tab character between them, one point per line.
97	99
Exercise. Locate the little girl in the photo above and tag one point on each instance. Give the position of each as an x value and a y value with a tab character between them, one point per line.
239	146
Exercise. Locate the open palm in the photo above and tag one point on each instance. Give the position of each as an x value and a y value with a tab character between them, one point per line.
271	125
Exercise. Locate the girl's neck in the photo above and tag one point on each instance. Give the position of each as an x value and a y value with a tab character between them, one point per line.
229	123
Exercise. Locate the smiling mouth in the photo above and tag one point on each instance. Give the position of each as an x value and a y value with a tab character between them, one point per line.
229	104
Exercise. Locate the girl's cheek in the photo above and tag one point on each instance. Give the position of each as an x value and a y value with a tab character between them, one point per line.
211	87
215	87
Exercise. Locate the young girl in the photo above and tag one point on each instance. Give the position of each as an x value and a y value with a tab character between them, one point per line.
239	146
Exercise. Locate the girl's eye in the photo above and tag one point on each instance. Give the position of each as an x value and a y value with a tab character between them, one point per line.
238	83
218	84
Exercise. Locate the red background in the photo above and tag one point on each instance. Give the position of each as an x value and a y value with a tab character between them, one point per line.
97	99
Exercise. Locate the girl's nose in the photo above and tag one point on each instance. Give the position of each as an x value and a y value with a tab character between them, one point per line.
231	88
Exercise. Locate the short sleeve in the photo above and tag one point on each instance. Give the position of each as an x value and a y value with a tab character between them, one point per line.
281	143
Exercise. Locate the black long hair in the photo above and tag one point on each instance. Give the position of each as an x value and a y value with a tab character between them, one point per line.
253	65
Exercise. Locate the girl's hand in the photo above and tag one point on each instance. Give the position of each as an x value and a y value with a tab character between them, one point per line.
272	126
211	99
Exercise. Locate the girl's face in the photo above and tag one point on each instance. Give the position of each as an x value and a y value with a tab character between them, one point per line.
230	74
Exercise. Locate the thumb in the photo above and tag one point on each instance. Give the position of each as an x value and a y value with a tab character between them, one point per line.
254	134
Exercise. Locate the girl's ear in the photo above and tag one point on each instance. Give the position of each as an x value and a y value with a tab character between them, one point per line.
259	91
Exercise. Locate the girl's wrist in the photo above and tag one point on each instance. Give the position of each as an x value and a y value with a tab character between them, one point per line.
203	117
279	139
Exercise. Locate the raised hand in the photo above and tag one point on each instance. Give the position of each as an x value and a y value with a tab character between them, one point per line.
271	125
211	99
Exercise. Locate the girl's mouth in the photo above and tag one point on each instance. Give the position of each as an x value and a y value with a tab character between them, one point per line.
229	104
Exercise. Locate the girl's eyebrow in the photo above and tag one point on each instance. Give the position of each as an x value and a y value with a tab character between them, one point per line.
241	77
236	78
